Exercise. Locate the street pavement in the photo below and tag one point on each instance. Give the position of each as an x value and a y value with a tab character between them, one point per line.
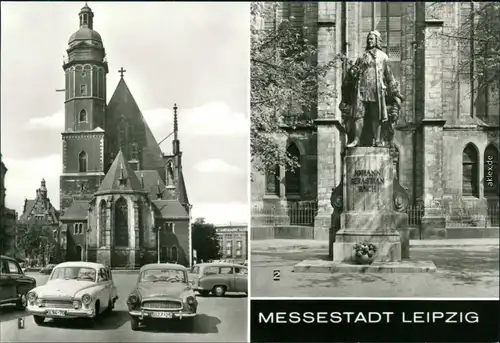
218	320
464	269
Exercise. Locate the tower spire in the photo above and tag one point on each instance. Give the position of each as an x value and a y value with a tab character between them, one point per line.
175	142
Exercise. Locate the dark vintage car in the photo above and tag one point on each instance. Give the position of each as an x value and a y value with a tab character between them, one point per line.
47	270
14	285
219	278
162	292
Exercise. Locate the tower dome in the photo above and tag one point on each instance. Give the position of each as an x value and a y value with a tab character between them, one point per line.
86	30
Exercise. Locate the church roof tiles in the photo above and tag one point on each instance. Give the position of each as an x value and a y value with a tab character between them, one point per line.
77	211
120	177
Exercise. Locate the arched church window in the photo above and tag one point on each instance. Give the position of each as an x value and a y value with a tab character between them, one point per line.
134	154
83	90
82	162
470	171
273	181
85	19
164	254
122	135
82	118
490	179
174	256
170	173
292	177
121	223
103	216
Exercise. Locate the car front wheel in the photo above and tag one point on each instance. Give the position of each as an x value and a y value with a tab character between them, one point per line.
219	291
38	320
134	323
22	302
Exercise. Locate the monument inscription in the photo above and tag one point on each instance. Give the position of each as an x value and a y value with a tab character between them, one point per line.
368	180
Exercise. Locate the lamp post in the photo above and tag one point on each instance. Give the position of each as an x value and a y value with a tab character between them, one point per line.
158	229
87	243
190	230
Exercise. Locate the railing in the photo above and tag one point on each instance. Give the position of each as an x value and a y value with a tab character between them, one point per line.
299	213
473	216
303	213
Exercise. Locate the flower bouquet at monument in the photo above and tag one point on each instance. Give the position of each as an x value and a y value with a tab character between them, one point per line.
364	253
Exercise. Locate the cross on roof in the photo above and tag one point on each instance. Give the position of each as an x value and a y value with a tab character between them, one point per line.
121	71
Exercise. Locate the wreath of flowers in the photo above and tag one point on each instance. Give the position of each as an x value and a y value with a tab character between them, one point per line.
365	248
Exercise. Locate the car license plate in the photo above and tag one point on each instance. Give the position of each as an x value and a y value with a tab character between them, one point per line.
56	313
161	315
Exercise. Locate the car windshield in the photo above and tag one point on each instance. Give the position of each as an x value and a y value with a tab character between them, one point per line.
163	275
74	273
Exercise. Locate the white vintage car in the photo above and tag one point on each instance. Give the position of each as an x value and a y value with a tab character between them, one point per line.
74	289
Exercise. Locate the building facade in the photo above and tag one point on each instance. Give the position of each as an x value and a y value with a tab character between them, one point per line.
446	142
122	199
8	219
233	242
40	213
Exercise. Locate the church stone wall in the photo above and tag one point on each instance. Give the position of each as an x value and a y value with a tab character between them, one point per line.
455	142
74	145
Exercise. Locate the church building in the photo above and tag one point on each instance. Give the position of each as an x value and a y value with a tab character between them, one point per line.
123	201
446	141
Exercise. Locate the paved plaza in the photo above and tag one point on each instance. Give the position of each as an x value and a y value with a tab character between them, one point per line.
465	268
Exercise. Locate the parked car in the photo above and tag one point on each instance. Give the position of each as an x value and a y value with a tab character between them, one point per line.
14	285
47	269
162	292
74	289
219	278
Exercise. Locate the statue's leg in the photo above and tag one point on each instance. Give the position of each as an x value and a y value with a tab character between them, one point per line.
358	128
376	124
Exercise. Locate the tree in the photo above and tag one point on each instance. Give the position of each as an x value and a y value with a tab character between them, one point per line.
285	85
36	241
478	39
205	240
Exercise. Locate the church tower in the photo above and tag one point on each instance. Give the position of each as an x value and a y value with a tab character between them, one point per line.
85	106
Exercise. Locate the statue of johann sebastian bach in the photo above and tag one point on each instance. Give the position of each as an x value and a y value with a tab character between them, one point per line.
370	97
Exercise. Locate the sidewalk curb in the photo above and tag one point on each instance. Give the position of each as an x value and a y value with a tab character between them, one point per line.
303	247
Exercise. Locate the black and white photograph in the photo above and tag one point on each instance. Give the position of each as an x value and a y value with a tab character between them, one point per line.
124	171
374	149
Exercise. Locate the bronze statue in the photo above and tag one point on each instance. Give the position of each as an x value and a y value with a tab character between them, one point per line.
370	97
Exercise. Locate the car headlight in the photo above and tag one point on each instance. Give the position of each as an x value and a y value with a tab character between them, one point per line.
32	297
76	304
190	300
86	299
133	299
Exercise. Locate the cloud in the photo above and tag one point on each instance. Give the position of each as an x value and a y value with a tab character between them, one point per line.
52	122
215	118
214	165
222	213
23	179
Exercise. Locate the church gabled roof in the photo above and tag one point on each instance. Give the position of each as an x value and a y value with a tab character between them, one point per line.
169	209
77	211
123	104
120	177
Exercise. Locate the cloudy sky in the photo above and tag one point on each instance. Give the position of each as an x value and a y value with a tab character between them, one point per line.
192	54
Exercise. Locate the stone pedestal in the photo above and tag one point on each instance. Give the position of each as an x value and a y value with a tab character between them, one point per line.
368	205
